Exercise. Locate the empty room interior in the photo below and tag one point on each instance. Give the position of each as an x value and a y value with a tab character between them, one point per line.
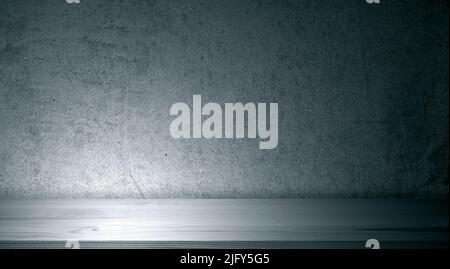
224	124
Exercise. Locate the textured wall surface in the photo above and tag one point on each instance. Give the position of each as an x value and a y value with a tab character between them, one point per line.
85	92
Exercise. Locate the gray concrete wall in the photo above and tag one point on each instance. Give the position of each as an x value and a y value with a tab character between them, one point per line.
85	92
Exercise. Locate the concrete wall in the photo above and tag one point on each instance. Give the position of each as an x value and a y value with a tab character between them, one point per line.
85	92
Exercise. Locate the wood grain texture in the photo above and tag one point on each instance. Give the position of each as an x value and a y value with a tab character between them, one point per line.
266	223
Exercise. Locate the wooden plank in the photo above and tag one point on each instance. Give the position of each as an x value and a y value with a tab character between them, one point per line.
266	223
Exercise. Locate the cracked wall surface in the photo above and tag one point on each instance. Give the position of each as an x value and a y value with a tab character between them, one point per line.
85	92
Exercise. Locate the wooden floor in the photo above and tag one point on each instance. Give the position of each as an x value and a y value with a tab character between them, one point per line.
223	223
